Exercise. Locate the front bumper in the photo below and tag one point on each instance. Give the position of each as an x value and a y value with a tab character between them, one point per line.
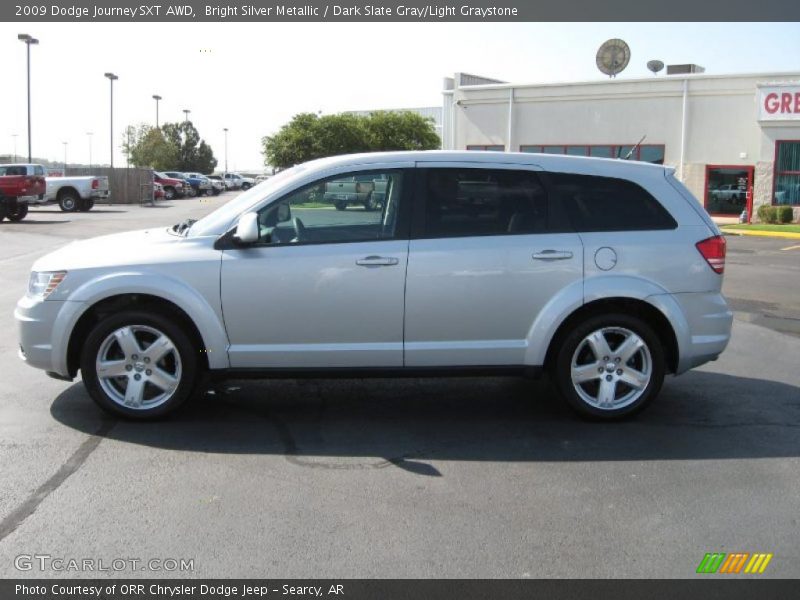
40	344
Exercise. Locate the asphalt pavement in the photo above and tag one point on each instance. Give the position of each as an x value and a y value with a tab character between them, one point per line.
406	478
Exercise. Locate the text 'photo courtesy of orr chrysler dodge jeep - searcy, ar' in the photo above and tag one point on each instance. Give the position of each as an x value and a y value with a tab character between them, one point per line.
605	274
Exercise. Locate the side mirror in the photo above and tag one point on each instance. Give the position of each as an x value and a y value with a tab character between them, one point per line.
247	229
284	212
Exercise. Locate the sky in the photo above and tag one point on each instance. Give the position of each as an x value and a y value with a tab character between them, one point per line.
253	77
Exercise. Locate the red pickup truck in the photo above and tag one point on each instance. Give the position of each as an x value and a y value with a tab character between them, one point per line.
17	186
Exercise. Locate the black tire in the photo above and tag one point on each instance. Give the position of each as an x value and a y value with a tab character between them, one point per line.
68	201
369	203
340	205
169	192
146	322
18	212
245	186
86	204
3	208
575	346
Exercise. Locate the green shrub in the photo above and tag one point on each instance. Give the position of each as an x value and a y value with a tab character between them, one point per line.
768	214
785	214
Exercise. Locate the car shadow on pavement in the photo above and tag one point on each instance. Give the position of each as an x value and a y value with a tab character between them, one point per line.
380	422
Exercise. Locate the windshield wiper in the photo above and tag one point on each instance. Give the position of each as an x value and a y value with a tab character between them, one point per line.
184	225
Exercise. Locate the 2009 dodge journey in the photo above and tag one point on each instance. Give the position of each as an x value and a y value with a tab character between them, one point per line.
605	273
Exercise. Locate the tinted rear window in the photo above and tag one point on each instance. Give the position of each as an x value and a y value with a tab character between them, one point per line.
609	204
474	202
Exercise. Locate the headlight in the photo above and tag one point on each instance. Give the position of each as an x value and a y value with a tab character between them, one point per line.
45	283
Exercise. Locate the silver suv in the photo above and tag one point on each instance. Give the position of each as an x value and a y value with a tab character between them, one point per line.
605	273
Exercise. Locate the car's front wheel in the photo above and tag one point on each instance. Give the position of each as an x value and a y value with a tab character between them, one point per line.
139	365
610	366
17	213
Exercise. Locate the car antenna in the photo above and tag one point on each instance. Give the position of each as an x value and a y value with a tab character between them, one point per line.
639	143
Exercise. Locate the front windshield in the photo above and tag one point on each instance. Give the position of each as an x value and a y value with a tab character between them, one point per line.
218	222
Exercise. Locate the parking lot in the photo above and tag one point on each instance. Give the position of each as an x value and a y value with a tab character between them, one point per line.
460	477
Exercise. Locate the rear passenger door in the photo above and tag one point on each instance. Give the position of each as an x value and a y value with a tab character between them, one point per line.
488	251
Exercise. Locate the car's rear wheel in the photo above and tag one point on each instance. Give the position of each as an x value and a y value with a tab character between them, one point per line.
369	203
340	205
245	186
18	212
139	365
68	201
86	204
610	366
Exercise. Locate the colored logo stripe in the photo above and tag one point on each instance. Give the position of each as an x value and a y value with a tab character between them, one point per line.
711	562
721	562
758	563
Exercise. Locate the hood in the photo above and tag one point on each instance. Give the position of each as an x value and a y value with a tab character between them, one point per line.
146	246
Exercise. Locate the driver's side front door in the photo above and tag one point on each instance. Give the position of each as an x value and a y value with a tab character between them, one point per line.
322	287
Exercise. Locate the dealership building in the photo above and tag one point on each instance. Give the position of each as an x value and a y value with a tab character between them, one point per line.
734	140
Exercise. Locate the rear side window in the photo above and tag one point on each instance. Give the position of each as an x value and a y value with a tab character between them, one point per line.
475	202
609	204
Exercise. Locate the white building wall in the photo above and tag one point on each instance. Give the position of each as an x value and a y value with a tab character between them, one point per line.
722	126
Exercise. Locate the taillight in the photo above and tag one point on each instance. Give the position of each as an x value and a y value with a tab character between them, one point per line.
95	184
713	250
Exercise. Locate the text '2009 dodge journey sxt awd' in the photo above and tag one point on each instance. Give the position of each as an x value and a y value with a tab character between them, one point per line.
606	273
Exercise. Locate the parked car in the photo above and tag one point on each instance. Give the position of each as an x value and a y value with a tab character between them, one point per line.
605	274
20	184
218	185
237	182
188	189
367	190
77	193
173	188
201	184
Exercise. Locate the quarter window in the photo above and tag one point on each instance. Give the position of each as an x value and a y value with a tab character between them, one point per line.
475	202
355	207
787	173
608	204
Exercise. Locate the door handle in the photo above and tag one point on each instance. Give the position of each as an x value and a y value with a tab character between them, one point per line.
377	261
552	255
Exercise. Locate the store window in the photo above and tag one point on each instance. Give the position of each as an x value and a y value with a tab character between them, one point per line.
787	173
727	189
489	147
652	153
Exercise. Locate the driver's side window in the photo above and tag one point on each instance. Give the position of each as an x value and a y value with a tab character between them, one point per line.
351	207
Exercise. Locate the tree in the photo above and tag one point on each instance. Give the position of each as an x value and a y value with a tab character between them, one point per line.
175	146
308	136
193	153
146	146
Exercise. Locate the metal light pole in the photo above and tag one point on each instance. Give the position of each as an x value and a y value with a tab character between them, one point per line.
14	135
65	158
226	148
89	135
112	78
24	37
186	112
156	97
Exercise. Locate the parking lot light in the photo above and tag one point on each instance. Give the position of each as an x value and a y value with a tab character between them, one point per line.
226	148
29	41
65	157
156	97
111	77
186	112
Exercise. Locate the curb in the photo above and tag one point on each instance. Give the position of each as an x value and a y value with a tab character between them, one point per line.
786	235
